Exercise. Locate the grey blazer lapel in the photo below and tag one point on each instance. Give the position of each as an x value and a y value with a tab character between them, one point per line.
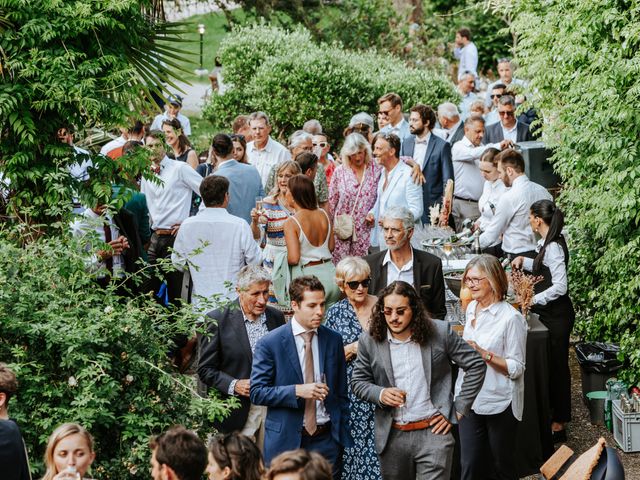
425	350
385	358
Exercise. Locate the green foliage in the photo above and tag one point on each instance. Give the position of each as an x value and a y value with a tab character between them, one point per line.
71	63
83	354
582	59
293	79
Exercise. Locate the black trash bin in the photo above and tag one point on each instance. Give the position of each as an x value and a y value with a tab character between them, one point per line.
598	362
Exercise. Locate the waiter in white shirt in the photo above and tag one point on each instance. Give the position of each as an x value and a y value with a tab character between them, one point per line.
264	152
469	182
169	202
512	212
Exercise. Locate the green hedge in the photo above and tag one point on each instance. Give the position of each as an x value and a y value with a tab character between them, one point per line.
582	59
293	79
83	354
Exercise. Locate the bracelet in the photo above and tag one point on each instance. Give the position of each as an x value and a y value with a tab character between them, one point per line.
488	357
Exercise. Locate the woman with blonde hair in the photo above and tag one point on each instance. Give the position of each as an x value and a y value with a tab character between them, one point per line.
276	209
69	453
352	194
498	332
350	318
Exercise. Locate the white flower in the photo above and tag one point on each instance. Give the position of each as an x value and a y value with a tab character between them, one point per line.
128	378
72	381
108	309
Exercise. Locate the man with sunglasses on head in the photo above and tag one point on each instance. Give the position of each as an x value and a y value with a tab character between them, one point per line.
495	94
400	261
508	128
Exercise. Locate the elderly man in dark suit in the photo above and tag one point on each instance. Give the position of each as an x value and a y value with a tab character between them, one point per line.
404	368
431	153
508	128
227	351
400	261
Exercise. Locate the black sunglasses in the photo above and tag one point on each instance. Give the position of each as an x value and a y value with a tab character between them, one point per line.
354	285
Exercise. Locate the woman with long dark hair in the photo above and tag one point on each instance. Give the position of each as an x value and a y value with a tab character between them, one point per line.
179	143
234	457
554	306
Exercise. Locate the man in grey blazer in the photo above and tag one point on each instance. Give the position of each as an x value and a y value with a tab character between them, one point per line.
508	128
404	368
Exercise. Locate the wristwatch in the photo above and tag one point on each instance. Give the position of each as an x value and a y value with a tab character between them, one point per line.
488	356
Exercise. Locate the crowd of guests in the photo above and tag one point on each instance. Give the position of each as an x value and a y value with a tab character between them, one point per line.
321	317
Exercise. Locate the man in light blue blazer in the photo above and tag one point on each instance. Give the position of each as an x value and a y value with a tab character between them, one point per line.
299	373
431	153
395	188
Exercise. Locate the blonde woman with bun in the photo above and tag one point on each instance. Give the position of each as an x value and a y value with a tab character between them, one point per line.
69	453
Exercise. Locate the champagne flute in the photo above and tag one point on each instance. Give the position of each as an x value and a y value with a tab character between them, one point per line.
447	248
260	205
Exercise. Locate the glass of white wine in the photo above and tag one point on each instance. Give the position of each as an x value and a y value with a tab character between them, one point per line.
447	249
260	205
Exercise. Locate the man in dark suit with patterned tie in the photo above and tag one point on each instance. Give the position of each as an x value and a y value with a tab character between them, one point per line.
431	153
226	351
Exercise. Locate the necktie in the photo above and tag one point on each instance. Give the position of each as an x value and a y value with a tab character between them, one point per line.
309	403
107	238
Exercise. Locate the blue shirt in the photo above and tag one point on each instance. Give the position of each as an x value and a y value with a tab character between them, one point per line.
245	186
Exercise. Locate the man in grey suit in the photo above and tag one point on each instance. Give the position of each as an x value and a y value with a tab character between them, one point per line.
404	368
431	153
508	128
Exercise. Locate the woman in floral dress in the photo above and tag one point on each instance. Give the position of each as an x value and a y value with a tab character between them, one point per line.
350	317
275	212
355	182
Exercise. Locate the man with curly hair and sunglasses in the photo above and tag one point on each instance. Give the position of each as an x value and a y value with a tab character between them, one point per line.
404	368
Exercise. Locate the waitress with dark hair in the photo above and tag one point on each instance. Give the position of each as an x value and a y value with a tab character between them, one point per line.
553	304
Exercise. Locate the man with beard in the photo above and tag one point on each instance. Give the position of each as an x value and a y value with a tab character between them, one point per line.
400	261
431	153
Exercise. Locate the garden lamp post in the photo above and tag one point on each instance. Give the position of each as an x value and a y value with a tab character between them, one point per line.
201	71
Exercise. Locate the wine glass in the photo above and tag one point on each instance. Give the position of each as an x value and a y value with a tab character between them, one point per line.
447	249
260	205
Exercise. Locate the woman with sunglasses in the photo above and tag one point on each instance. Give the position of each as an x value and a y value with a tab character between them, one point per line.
498	332
350	317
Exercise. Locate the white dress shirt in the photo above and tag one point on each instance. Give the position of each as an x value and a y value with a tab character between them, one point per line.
420	150
554	260
394	273
501	330
229	247
184	122
112	145
400	191
466	160
408	374
89	223
169	202
265	159
468	56
510	133
322	416
512	217
491	194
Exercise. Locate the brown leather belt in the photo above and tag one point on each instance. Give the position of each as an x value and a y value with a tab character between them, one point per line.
320	430
163	233
411	426
317	262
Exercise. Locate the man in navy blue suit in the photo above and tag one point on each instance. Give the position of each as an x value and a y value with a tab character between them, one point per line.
299	373
431	153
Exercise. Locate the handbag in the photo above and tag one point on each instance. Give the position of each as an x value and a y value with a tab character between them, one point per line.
343	224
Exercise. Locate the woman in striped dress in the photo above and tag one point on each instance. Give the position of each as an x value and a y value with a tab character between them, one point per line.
271	220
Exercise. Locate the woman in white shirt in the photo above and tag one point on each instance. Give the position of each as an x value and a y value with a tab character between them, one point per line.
498	332
554	306
491	193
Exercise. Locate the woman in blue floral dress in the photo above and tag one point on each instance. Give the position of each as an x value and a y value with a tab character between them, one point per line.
350	317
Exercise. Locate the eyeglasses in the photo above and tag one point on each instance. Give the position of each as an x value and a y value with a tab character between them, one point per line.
473	281
383	113
237	136
496	95
321	144
506	114
354	285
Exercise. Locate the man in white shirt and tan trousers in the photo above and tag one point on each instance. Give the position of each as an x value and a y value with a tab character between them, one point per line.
169	202
512	212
